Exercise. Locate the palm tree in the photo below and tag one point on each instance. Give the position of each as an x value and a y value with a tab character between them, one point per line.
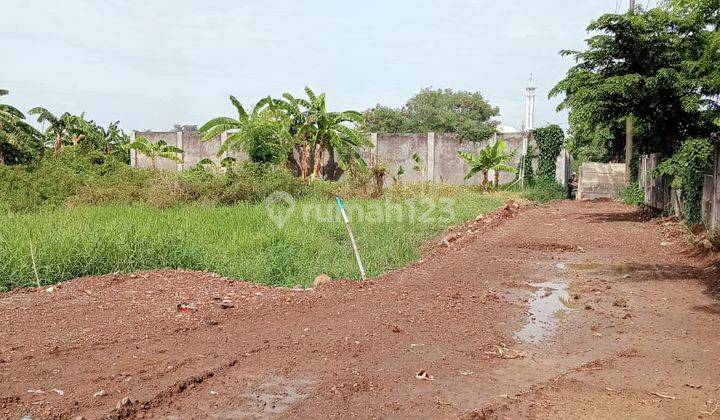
15	133
155	150
491	157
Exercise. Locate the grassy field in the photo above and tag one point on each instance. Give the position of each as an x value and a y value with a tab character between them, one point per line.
239	241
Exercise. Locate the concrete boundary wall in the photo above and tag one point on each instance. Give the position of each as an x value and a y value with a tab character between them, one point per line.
600	180
438	153
563	168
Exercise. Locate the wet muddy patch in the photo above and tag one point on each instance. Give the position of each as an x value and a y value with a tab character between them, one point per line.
629	270
548	304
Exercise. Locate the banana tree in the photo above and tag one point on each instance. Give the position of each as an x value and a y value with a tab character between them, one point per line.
490	157
315	131
153	151
16	135
303	129
218	167
67	128
263	132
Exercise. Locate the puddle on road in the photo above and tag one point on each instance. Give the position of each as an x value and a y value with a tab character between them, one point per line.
547	305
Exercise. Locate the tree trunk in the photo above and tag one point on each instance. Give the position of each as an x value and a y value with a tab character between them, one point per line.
318	160
58	143
379	182
497	179
153	162
304	161
485	179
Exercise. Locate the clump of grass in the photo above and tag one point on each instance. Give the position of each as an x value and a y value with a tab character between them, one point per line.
239	241
544	190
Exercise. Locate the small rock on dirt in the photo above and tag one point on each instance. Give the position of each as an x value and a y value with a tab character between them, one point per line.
321	279
100	393
123	403
620	303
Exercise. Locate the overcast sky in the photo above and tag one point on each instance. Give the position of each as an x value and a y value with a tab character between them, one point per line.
154	63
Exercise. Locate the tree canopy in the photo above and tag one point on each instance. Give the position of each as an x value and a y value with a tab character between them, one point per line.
436	110
650	64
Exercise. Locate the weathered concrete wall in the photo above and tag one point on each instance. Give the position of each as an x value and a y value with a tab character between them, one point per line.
170	137
397	150
563	168
706	205
600	180
438	154
195	150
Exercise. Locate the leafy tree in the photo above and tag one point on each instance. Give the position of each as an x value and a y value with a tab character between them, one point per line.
153	151
437	110
490	157
17	138
636	64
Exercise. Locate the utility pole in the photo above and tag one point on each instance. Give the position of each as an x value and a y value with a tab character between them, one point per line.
629	128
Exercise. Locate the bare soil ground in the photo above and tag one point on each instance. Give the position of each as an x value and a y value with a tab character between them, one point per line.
638	334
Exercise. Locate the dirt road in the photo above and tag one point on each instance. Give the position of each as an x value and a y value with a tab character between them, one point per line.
566	310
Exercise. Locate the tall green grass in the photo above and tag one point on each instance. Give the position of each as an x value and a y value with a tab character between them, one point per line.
238	241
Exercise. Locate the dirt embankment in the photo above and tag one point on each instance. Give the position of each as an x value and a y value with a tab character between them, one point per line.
565	310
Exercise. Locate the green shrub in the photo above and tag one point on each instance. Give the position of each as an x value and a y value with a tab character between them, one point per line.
688	168
632	194
544	190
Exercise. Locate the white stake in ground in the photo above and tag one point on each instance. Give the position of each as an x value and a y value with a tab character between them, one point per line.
352	237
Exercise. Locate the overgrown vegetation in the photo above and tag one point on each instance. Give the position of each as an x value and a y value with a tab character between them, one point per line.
550	140
239	241
632	195
687	169
67	192
543	190
73	177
